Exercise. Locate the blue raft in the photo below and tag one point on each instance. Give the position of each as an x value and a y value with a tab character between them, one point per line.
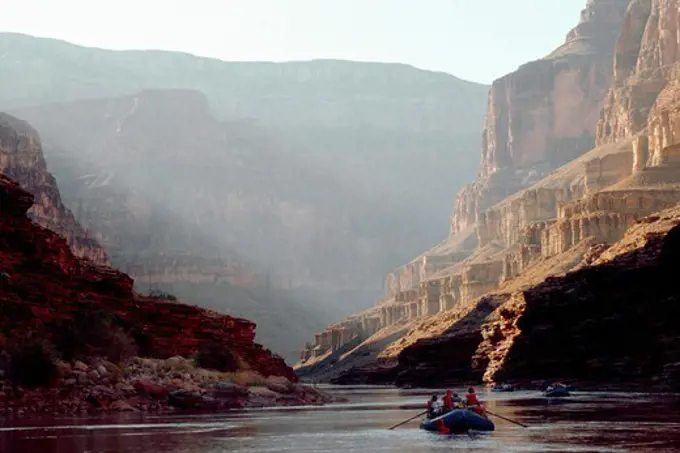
459	421
503	388
557	392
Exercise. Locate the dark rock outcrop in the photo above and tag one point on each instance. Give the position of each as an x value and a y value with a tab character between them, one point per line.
614	321
43	285
445	359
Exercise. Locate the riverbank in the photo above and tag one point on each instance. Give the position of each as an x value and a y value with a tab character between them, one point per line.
153	385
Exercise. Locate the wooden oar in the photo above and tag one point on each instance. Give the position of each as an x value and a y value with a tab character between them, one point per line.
507	419
406	421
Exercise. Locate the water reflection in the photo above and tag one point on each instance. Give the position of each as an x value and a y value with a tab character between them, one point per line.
587	422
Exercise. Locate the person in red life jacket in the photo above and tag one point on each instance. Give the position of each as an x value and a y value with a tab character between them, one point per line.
433	407
472	402
448	404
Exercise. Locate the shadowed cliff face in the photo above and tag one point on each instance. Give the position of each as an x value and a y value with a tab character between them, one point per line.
21	158
629	334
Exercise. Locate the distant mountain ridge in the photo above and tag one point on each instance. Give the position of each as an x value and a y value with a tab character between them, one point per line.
57	71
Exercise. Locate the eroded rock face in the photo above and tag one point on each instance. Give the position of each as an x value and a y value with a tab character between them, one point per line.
544	114
661	146
445	359
43	284
630	333
21	158
646	52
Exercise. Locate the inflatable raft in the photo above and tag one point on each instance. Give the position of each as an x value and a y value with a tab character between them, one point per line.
558	392
503	388
458	421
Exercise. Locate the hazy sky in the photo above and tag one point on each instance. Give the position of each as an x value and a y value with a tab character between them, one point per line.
478	40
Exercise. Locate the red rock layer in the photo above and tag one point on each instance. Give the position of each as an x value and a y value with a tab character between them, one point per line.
42	283
21	158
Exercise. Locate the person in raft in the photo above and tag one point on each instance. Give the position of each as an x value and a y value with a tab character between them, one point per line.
458	401
448	404
472	402
433	407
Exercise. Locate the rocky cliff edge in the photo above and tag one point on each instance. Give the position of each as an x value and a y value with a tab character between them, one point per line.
73	332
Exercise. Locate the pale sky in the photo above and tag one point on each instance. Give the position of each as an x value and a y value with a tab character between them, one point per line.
472	39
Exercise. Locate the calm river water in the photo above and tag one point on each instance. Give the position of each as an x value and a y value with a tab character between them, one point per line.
586	422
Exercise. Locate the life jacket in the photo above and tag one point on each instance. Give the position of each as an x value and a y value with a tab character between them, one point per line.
471	399
478	410
448	402
442	427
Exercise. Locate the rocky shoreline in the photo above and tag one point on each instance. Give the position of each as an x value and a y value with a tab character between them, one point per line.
153	385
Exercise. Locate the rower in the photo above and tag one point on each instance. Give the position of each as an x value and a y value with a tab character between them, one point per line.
458	401
433	407
448	404
472	402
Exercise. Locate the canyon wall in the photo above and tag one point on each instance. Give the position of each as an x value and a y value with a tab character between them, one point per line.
362	126
544	114
275	191
539	117
45	287
21	158
493	311
245	194
645	54
161	233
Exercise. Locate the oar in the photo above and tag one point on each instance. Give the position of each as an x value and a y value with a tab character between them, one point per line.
406	421
508	419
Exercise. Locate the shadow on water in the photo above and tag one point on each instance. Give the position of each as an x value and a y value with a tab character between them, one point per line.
586	422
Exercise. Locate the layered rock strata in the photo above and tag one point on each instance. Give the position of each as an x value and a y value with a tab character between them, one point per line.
629	334
646	53
536	224
544	114
21	158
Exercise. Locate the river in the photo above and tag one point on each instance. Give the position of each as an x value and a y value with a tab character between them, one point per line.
585	422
